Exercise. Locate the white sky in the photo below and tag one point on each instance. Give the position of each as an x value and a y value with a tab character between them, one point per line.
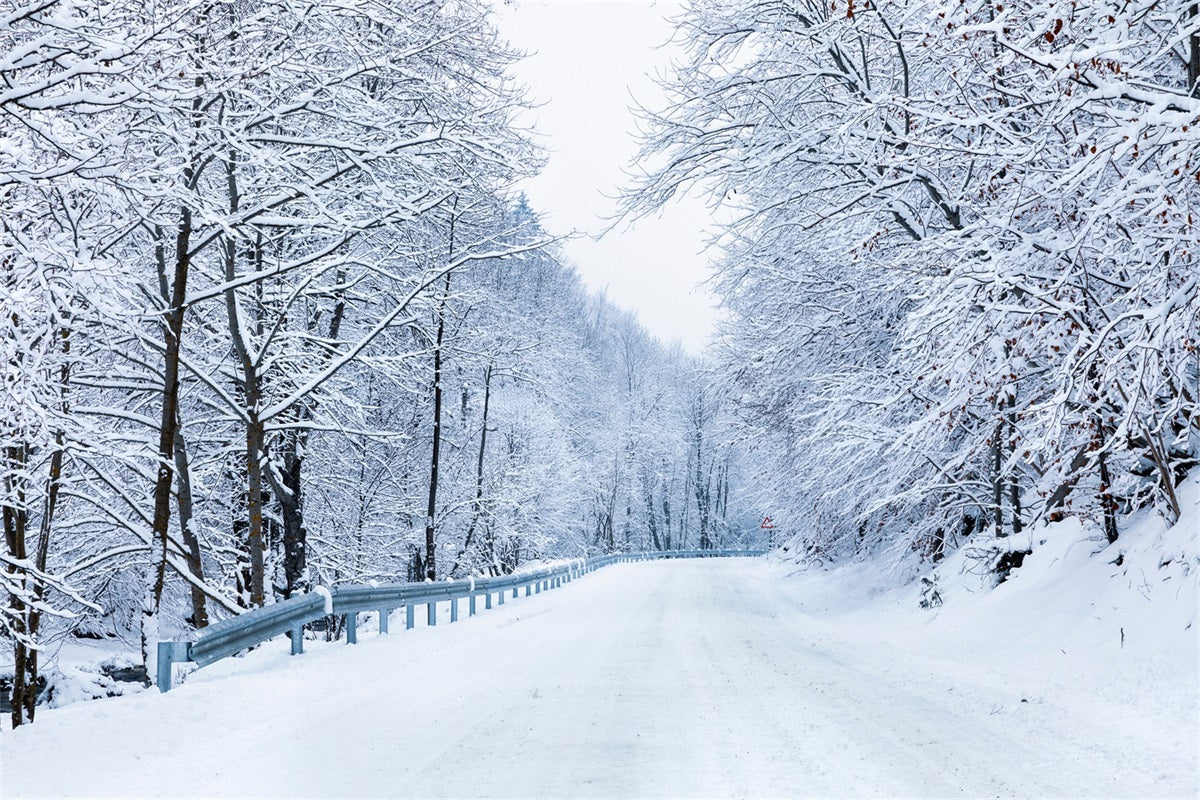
588	62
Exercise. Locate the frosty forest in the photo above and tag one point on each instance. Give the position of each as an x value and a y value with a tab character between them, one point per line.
274	313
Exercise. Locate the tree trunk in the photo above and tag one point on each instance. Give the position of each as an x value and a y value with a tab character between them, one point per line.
27	615
173	343
1108	505
1194	54
699	483
627	524
1160	455
169	424
477	503
666	510
183	482
15	518
997	452
435	450
255	443
1074	473
651	517
288	487
1014	485
295	535
251	397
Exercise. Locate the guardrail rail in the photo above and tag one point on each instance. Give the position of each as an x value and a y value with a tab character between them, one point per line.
230	636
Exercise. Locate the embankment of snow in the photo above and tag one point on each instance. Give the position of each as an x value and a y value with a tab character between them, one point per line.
1103	633
1140	592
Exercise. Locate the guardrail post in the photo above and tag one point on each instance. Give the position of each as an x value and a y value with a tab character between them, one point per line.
383	620
352	627
431	613
528	590
537	587
515	591
410	616
166	666
487	599
454	609
168	654
500	596
471	606
297	640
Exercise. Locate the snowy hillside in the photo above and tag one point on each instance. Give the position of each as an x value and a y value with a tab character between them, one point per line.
1103	635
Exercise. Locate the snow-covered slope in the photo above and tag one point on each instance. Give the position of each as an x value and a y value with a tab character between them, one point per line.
1105	635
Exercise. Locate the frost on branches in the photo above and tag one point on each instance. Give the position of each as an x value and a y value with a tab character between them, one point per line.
274	317
963	268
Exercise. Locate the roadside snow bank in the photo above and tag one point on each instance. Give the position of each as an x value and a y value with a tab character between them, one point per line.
1140	592
1104	635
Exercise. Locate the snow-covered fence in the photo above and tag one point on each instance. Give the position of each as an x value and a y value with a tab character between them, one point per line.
233	635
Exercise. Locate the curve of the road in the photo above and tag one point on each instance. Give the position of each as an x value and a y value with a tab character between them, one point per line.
681	679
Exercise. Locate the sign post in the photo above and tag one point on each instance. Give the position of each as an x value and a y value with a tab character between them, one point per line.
769	525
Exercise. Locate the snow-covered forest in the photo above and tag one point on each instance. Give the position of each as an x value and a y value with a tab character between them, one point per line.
962	270
276	315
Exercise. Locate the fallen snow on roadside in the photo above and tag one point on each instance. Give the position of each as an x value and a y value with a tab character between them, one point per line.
723	677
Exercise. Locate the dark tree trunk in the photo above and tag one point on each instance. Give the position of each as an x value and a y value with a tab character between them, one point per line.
295	535
1014	484
610	522
651	517
1108	504
252	402
477	503
700	491
255	444
289	486
183	481
1194	54
435	450
968	527
1074	473
627	526
27	616
169	421
937	547
696	464
666	510
173	341
997	452
16	518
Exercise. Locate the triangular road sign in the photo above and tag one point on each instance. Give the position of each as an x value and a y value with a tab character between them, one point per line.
766	523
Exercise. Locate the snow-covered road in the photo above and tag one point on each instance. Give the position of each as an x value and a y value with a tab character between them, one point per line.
695	678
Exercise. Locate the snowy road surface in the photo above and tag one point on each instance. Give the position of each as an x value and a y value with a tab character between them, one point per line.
696	678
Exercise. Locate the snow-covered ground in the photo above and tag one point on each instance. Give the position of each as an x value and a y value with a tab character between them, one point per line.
727	677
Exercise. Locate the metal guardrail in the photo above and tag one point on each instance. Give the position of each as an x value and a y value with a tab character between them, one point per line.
230	636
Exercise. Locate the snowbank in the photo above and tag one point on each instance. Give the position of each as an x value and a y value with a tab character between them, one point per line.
1082	629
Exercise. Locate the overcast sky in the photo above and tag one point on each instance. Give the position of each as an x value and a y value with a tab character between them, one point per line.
588	62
